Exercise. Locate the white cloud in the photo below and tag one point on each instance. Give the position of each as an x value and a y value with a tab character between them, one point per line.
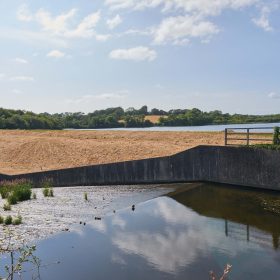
2	76
274	95
86	27
23	13
263	20
32	38
103	96
205	7
60	25
56	54
114	22
178	29
20	60
22	78
57	24
136	54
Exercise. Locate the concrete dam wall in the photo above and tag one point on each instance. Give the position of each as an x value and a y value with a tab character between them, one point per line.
231	165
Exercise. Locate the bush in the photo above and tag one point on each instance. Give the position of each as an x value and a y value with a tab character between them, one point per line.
48	192
22	192
14	191
7	207
8	220
4	191
276	136
12	199
17	221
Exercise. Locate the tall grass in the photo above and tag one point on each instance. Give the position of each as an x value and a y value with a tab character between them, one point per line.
15	191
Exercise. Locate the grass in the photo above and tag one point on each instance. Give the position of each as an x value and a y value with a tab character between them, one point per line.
85	196
34	196
15	191
17	221
266	146
7	207
1	220
48	192
8	220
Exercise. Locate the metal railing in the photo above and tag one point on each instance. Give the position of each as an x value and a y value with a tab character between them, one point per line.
246	135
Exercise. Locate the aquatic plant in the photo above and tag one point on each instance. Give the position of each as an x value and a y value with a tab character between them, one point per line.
7	207
225	273
17	220
85	196
8	220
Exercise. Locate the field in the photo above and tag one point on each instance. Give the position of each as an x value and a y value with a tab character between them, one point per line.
154	119
28	151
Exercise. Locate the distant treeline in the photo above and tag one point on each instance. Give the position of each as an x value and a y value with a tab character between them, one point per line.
118	117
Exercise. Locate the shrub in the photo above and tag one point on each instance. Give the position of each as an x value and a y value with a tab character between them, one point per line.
8	220
4	191
17	221
7	207
276	136
22	192
46	192
51	192
85	196
17	190
12	199
1	220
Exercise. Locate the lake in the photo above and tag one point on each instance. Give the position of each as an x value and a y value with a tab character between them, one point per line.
221	127
182	235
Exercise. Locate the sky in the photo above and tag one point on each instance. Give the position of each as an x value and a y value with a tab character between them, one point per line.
81	56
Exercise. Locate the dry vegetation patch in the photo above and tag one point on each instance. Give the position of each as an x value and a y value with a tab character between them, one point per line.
29	151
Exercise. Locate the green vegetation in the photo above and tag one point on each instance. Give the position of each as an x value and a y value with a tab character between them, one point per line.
34	196
17	221
48	192
1	220
7	207
8	220
118	117
276	142
16	191
85	196
276	136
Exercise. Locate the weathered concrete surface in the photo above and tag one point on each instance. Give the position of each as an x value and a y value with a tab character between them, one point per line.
231	165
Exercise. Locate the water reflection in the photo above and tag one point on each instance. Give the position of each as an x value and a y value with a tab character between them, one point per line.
254	209
183	236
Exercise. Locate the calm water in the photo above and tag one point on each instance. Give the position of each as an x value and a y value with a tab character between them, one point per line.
195	128
181	236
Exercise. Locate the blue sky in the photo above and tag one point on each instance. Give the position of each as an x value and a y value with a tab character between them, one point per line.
67	56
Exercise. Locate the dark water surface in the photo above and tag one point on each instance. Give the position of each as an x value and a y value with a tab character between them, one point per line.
181	236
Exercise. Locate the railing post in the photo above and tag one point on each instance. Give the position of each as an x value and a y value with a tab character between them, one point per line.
248	136
226	132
